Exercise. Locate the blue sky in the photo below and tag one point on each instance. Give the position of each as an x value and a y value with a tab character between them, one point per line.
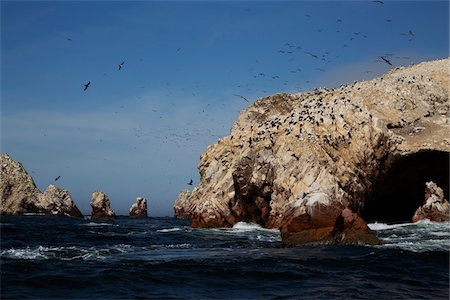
140	131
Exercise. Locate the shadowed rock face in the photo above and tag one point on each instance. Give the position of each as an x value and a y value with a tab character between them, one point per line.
435	208
399	192
101	206
290	157
19	194
139	208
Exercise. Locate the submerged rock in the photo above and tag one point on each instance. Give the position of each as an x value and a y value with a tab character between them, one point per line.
297	161
19	194
101	207
435	208
139	208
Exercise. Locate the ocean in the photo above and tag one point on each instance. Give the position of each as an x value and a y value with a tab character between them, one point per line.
61	258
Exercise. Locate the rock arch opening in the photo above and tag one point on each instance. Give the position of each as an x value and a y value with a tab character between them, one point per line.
400	191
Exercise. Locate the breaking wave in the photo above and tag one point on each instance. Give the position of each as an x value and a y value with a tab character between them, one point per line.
416	237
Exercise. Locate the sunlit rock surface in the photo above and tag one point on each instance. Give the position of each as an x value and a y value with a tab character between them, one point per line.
139	208
435	208
292	159
101	206
19	194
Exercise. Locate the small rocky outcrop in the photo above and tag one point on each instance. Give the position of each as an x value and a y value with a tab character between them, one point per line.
19	194
435	208
297	161
139	208
101	206
58	202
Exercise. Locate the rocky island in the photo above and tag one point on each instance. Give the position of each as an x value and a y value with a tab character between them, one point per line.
19	194
319	165
139	208
101	206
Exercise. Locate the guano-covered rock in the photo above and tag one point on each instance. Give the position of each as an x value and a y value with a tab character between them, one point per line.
298	161
19	194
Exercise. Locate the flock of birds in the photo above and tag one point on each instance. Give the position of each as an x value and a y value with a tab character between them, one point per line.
290	51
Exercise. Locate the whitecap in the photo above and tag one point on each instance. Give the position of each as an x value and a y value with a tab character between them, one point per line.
25	253
169	229
384	226
243	227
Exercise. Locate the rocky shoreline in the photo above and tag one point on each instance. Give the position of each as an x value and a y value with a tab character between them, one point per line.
316	164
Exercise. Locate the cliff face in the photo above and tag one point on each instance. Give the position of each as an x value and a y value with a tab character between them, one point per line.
290	157
19	194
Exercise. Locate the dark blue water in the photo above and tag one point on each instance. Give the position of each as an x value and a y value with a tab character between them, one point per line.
48	257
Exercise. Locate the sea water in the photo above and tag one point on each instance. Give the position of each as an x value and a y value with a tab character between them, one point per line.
52	257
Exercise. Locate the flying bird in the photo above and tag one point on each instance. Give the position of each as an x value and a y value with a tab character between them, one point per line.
385	60
87	85
57	177
411	33
190	182
378	1
121	65
241	97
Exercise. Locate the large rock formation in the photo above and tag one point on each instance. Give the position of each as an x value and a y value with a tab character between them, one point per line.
435	208
293	160
19	194
139	208
101	206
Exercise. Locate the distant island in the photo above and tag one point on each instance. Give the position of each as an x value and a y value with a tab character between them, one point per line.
20	196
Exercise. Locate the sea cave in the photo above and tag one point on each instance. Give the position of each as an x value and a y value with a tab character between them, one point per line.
399	191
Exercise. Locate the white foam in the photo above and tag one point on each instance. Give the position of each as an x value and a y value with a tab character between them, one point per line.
417	237
178	246
383	226
169	229
25	253
66	253
243	226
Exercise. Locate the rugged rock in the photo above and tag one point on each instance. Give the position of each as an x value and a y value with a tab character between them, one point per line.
58	202
101	207
291	159
435	208
19	194
139	208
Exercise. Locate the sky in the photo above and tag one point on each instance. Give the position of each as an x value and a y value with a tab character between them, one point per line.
140	130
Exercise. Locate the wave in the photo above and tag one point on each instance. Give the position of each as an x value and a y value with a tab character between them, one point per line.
384	226
169	229
422	236
93	224
82	253
243	226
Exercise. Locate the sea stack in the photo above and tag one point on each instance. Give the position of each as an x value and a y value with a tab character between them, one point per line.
19	194
319	165
139	208
101	207
435	208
